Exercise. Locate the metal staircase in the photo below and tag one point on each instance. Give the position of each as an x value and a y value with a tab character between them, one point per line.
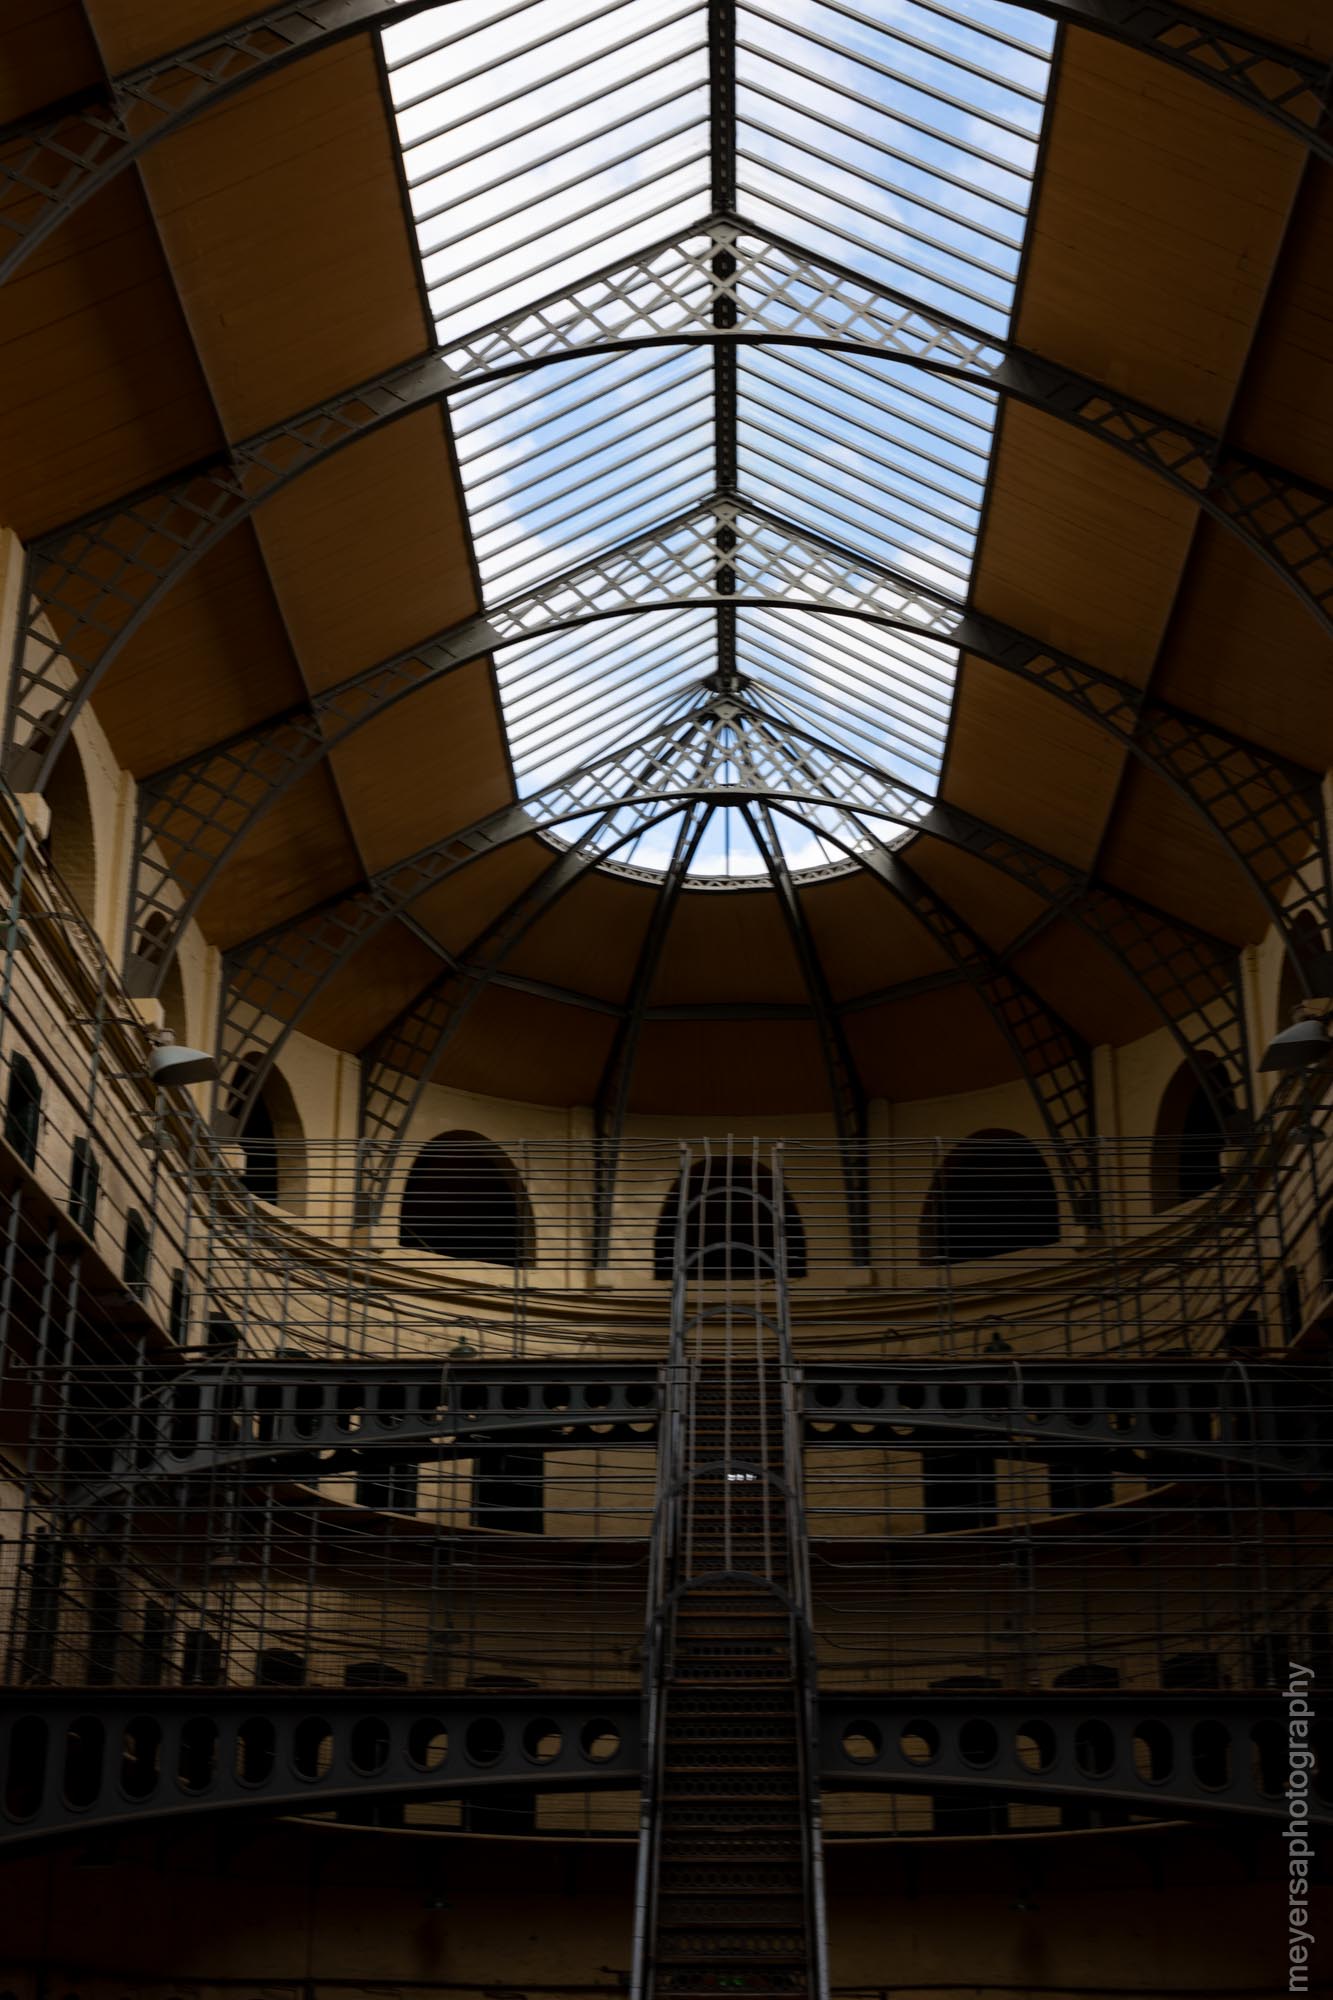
730	1881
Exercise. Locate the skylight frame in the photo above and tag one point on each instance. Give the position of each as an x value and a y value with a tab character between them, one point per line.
948	102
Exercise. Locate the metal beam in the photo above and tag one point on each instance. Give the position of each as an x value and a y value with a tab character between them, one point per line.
846	1090
1184	973
1267	811
399	1064
1154	1752
1055	1061
143	1755
207	1749
1286	86
90	586
58	158
612	1100
54	160
264	1415
1266	1418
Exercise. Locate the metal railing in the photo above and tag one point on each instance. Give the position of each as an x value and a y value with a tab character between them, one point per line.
149	1540
729	1544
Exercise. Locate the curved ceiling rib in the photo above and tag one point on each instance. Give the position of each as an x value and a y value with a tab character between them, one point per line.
91	586
54	160
773	253
729	751
194	817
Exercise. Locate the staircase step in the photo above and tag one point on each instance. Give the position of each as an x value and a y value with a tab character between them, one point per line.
735	1947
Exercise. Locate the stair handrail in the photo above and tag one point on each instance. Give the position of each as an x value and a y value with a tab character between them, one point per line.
793	1438
668	1502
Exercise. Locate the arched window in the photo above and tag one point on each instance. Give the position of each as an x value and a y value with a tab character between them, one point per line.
729	1224
1189	1140
138	1249
84	1183
272	1137
178	1312
23	1110
992	1196
172	992
70	844
1309	940
280	1666
464	1198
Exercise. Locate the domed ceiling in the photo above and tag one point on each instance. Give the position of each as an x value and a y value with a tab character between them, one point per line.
684	558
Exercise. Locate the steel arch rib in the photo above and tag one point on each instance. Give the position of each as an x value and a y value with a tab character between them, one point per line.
288	1782
611	1103
1215	964
295	961
208	806
846	1090
93	583
429	1023
56	159
1054	1060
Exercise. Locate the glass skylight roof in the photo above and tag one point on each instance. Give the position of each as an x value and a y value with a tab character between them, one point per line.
826	188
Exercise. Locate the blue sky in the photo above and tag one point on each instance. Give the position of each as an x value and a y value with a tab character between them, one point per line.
548	140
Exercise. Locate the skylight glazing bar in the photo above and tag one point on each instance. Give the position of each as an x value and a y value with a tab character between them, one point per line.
823	707
969	504
955	142
848	664
952	532
916	395
589	713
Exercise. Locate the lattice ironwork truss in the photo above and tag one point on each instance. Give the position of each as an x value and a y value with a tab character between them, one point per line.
807	735
194	816
58	158
731	752
90	586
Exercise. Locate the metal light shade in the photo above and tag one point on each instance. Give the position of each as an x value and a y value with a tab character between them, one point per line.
1298	1047
171	1067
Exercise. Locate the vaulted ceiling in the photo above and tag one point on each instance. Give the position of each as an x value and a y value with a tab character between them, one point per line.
959	639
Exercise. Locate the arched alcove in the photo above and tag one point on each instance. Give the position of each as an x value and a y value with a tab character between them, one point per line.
23	1109
1188	1139
71	844
464	1198
172	990
729	1228
272	1138
138	1253
1309	939
992	1195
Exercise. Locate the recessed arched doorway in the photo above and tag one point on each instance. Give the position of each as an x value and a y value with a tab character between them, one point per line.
465	1198
730	1210
272	1138
993	1195
1189	1137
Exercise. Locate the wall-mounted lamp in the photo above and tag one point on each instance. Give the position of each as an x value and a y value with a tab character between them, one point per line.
1299	1047
172	1067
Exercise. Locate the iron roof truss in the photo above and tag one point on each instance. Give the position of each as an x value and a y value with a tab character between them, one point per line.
90	586
730	751
56	159
1268	812
799	681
